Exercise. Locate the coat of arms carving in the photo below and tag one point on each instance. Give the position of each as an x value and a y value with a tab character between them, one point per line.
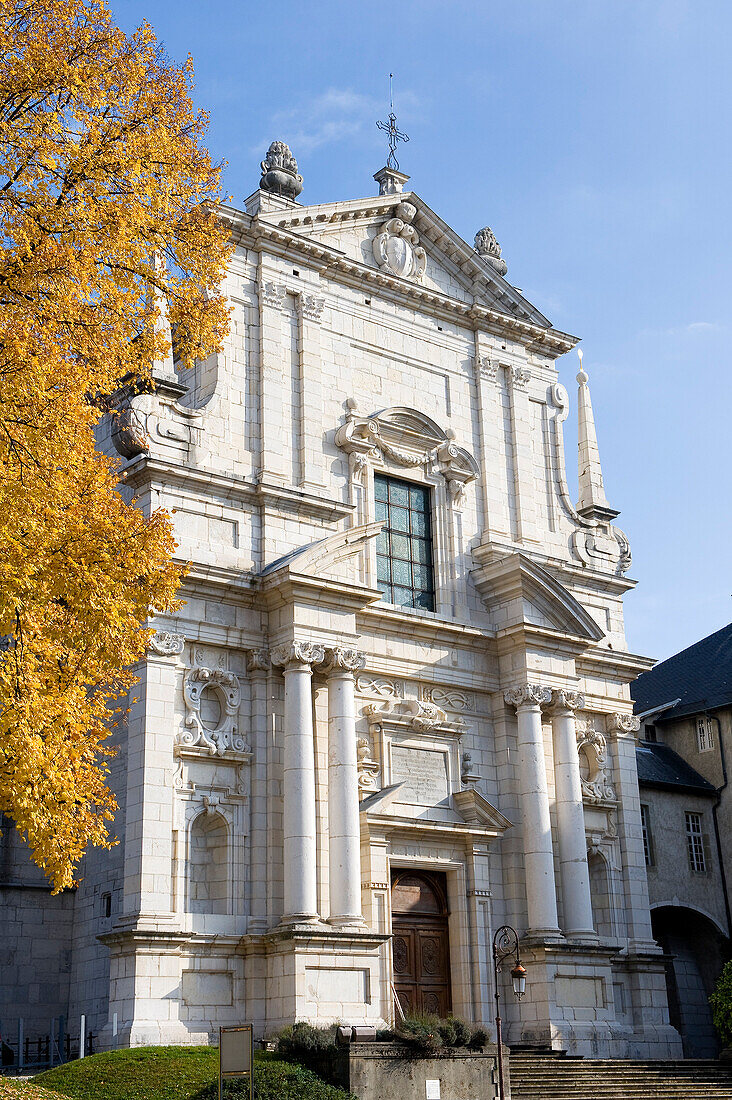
397	248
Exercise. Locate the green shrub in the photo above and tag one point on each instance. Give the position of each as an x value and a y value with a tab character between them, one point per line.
278	1081
721	1002
316	1049
425	1034
421	1033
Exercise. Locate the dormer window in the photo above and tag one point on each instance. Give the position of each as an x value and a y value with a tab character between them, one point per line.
404	569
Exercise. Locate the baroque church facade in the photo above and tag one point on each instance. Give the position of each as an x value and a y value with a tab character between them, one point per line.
392	713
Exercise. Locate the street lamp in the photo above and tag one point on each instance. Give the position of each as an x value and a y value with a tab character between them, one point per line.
505	946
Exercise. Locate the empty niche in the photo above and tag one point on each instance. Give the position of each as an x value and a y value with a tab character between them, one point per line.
208	865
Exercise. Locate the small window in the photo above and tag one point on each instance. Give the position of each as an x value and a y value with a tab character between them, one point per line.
404	548
647	836
696	843
106	905
704	734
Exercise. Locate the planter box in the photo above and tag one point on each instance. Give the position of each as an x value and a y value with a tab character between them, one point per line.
388	1071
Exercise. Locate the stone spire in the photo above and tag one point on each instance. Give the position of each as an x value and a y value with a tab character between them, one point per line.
592	504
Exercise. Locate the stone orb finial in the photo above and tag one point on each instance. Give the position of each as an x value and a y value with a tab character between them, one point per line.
279	172
489	249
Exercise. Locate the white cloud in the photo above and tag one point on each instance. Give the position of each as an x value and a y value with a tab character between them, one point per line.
336	115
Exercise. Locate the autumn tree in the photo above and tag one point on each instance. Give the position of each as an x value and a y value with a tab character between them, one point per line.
107	199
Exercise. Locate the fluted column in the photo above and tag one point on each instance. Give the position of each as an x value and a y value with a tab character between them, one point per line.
298	781
575	875
541	893
344	835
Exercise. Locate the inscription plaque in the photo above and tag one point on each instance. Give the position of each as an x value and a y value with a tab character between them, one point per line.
423	772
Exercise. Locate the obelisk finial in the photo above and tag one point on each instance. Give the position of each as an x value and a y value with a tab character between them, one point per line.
592	504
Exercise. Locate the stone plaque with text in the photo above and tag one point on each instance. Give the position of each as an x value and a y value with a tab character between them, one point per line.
423	772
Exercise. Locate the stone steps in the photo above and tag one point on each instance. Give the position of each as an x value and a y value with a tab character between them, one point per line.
551	1077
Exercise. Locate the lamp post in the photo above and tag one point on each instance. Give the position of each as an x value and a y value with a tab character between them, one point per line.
506	946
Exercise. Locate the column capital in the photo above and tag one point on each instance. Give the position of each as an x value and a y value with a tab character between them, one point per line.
527	695
343	659
565	700
296	654
258	660
623	723
164	643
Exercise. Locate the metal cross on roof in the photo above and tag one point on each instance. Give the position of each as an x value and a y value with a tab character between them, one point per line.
390	128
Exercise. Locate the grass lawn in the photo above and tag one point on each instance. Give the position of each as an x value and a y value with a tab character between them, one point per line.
167	1073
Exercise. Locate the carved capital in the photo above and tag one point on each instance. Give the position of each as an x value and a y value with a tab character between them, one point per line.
520	376
273	295
165	644
340	659
623	723
298	653
563	699
486	368
528	695
258	660
312	307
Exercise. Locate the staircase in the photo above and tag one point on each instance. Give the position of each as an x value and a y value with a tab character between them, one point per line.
548	1077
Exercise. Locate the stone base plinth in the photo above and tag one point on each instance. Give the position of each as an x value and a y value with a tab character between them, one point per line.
386	1071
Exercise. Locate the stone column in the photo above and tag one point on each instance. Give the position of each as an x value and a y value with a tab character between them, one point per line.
259	872
575	875
344	832
534	801
298	781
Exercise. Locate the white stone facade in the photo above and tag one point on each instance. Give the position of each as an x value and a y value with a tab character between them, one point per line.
294	739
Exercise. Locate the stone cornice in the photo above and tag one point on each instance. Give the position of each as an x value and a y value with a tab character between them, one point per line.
144	471
260	235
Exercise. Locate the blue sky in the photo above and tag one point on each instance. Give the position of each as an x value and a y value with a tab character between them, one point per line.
593	136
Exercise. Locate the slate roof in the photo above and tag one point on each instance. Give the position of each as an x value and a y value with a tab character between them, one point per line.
700	677
660	766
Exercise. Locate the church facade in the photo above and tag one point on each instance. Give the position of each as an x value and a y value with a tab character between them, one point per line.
392	714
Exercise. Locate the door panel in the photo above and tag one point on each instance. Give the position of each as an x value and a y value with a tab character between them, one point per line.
420	942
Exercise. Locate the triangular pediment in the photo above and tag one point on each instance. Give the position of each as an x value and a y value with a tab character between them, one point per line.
451	265
528	594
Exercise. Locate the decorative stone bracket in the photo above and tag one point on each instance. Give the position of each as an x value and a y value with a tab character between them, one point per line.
414	714
225	738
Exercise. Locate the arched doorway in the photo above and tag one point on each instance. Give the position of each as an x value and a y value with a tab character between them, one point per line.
420	941
695	952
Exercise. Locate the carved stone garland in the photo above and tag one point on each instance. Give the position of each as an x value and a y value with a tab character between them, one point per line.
225	738
367	439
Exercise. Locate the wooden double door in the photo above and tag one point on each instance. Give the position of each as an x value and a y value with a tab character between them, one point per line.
420	942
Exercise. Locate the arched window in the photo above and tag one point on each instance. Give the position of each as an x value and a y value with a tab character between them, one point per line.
208	865
601	893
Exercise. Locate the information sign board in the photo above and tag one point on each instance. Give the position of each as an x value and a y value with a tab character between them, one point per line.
236	1058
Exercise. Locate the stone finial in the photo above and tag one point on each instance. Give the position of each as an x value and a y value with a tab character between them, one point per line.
489	249
279	172
592	504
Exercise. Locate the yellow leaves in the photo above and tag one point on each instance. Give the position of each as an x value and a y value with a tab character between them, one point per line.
104	167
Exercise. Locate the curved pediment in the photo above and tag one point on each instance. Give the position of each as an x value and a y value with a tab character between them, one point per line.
527	593
400	419
323	557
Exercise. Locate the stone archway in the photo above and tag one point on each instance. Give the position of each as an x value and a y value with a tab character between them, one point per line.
420	942
695	952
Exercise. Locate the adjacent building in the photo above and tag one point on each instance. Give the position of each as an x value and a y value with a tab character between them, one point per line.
685	708
393	713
